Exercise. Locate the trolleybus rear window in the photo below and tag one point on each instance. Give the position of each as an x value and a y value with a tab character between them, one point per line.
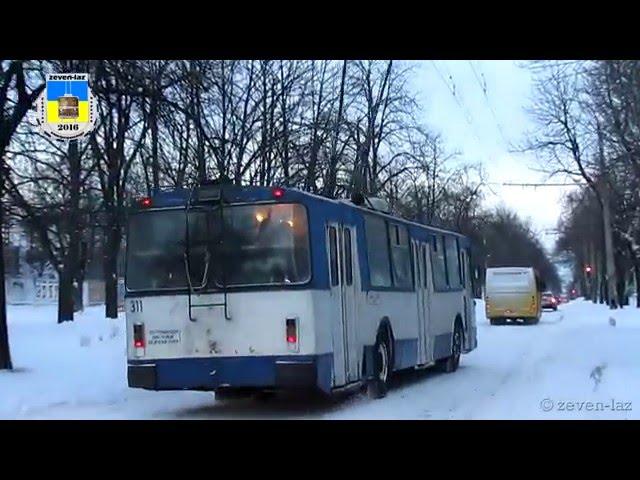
264	244
155	251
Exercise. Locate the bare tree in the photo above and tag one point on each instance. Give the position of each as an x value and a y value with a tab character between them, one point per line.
16	98
115	145
571	139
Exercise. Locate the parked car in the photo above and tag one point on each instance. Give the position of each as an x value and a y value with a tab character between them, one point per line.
549	301
564	298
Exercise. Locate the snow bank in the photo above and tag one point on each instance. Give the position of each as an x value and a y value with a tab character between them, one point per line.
574	364
77	370
69	364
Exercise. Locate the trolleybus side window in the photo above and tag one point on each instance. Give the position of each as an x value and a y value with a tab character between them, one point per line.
333	256
453	262
378	251
400	256
438	264
347	257
424	265
462	256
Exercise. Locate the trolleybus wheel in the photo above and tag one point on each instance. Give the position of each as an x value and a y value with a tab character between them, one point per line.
228	394
264	396
378	386
451	363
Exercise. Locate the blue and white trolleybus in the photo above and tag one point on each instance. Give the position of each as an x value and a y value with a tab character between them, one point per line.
246	289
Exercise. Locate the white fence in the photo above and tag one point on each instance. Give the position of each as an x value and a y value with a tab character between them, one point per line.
43	291
28	291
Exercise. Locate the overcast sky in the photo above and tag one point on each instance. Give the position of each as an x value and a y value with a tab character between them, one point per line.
484	128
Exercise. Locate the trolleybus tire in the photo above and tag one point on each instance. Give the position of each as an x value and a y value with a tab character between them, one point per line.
378	386
264	396
229	394
451	363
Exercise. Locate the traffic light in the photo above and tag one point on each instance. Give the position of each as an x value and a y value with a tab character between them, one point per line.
587	269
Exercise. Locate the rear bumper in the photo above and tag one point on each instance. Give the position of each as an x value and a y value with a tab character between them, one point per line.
280	372
510	313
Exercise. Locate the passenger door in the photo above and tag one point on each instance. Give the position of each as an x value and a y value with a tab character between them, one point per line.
421	296
344	278
424	297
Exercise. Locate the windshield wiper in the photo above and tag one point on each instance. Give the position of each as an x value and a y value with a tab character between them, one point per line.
205	275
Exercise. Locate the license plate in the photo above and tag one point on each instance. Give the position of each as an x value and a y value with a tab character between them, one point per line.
163	337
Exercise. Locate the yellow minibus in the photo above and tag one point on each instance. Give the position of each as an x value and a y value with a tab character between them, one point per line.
513	293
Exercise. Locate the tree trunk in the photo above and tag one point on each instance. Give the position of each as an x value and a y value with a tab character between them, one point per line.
66	288
593	276
5	354
111	271
65	293
79	278
78	301
587	277
608	246
582	279
621	292
605	198
636	269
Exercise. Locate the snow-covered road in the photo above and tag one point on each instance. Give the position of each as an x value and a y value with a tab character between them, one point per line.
573	365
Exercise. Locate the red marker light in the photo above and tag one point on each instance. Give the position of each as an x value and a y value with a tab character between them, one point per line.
277	192
138	335
145	202
292	331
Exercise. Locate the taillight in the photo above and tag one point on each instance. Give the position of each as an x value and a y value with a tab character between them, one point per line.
277	192
145	202
292	333
138	335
